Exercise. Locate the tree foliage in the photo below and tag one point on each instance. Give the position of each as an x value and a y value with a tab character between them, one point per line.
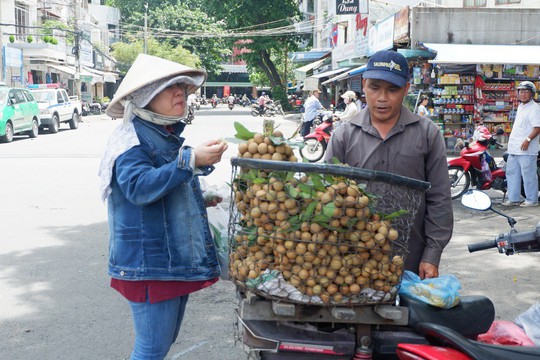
178	16
125	53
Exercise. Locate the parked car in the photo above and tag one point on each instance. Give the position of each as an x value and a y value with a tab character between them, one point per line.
19	113
56	107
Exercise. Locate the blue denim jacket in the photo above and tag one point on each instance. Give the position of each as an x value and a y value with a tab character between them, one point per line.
157	218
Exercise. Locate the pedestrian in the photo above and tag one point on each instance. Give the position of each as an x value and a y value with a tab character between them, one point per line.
523	149
160	245
311	106
422	109
387	136
359	104
349	98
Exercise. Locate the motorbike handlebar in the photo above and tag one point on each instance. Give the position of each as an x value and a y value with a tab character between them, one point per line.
482	245
512	242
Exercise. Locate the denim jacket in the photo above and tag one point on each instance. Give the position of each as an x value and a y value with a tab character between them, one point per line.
157	218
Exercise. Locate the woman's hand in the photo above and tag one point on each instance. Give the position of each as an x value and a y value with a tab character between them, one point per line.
209	153
212	200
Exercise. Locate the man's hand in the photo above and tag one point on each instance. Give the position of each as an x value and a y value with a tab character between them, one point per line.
525	145
209	153
428	271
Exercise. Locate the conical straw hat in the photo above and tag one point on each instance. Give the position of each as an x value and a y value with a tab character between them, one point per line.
146	70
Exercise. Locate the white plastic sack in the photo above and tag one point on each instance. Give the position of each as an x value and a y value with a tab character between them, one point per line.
529	321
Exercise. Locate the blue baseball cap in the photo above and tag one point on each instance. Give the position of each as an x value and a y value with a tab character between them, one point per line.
388	65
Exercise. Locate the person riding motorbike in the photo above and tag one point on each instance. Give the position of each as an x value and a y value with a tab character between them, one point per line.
351	110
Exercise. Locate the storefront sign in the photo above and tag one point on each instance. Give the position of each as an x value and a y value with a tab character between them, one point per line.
361	46
343	52
381	36
351	7
401	25
13	57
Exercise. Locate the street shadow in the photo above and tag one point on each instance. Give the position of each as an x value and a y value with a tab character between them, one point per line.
61	306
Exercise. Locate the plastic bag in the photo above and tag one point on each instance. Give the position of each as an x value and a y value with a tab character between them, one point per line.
529	321
503	332
442	292
218	220
486	171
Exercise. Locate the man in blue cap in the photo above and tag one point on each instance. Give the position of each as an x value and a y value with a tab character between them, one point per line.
387	136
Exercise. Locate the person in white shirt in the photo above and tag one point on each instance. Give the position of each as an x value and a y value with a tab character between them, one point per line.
523	149
351	109
311	106
422	109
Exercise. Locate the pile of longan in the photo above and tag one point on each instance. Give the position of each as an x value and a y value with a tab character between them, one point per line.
335	258
262	147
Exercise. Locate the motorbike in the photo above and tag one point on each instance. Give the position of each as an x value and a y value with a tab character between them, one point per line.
316	142
256	110
467	170
446	343
214	102
191	115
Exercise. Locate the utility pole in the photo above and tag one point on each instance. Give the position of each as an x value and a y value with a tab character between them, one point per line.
145	49
77	52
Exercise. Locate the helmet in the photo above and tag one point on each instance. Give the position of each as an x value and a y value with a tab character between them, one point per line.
527	85
263	93
349	94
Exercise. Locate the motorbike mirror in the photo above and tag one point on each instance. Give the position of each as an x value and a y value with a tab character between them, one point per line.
476	200
479	200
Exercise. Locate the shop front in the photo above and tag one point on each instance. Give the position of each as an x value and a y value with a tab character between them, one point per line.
478	82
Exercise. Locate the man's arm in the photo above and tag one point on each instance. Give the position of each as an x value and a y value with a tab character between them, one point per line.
439	218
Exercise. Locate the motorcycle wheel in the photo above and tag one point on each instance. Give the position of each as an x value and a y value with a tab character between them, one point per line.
460	181
254	113
214	104
313	150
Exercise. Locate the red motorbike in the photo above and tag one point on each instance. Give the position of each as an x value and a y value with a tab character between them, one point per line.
467	170
315	143
446	343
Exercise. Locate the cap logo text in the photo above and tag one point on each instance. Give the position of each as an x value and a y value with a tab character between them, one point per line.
390	65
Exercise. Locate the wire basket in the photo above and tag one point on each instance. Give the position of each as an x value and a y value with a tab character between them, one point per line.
319	234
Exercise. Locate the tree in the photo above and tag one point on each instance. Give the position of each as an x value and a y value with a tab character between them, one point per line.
173	17
265	52
126	52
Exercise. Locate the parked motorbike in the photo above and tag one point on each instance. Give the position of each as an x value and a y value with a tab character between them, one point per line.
446	343
316	142
467	170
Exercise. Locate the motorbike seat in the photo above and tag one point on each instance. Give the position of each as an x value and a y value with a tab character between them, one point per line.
471	317
442	335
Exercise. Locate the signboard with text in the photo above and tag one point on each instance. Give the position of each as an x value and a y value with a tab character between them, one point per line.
352	7
381	36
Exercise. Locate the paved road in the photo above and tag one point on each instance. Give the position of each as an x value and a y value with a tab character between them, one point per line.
55	301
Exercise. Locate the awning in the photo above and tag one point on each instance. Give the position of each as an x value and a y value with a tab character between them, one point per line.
329	73
346	75
485	54
301	71
70	70
105	75
359	70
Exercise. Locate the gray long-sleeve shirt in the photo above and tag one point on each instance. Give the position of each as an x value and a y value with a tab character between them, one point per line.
413	148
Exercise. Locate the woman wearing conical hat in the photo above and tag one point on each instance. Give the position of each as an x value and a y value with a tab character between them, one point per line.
160	245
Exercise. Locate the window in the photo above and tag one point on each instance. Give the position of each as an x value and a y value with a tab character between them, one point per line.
21	21
474	3
29	96
506	2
